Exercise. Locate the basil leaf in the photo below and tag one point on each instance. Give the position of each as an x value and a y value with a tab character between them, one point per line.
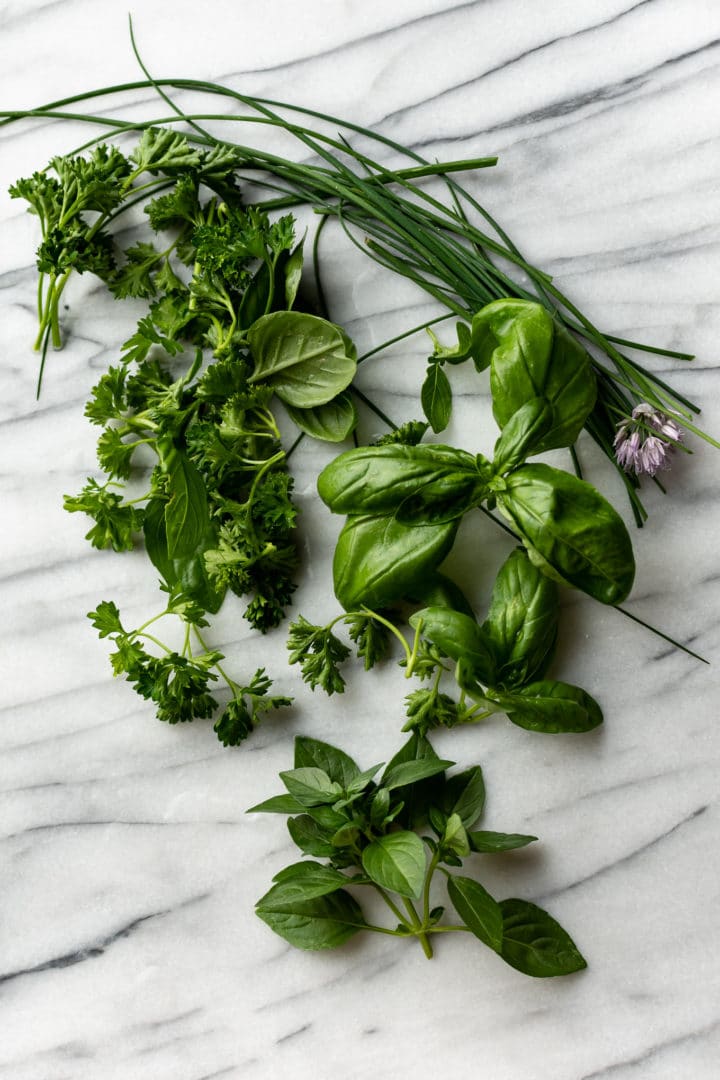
489	843
187	517
290	266
522	435
459	637
396	862
305	881
436	398
332	422
311	786
188	574
305	359
321	923
338	765
477	909
522	621
311	837
533	355
570	531
438	590
410	772
277	804
551	707
454	840
418	797
534	943
463	794
379	479
378	560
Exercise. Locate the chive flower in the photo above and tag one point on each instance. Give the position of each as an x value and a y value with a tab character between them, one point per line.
645	440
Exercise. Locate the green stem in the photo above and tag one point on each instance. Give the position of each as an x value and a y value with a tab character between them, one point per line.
419	929
426	888
234	687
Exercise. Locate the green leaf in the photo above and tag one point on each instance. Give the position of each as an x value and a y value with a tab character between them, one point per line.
332	422
476	907
551	707
454	838
339	766
187	516
570	531
161	149
378	560
522	621
319	652
396	862
459	637
187	574
436	398
292	270
463	794
420	484
522	435
410	772
311	837
305	881
321	923
106	619
489	843
307	360
532	355
534	943
311	786
277	804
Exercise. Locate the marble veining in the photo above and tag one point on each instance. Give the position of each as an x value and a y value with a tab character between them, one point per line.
129	949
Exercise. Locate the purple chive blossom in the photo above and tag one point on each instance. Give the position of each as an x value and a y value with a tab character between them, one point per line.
644	441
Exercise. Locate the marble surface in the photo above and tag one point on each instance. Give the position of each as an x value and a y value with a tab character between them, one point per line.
128	945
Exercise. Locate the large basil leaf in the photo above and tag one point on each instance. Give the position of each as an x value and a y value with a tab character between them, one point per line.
396	862
417	797
307	360
378	560
438	590
534	943
459	637
323	922
477	909
307	880
551	707
570	530
332	422
533	355
417	483
522	621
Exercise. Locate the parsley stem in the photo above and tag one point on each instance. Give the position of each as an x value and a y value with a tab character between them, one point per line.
415	649
155	641
234	687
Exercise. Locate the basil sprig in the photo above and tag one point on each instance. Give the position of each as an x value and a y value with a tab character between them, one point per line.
396	834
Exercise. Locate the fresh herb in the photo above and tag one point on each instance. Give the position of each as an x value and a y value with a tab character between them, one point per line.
398	835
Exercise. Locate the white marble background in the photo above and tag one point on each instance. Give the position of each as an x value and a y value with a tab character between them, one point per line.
128	945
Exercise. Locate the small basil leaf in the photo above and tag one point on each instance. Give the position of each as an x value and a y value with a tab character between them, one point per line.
459	637
534	943
305	881
410	772
489	843
568	526
396	862
455	838
311	786
291	267
310	837
305	359
464	794
436	398
321	923
332	422
477	909
379	808
278	804
313	753
551	707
